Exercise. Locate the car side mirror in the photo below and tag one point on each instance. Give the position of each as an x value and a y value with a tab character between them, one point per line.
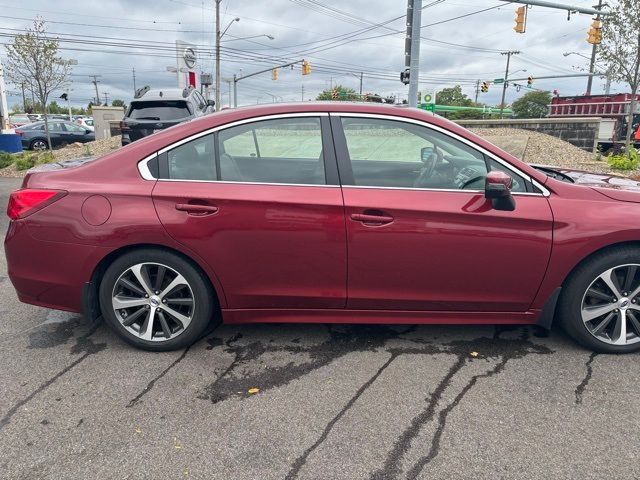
211	103
425	153
497	188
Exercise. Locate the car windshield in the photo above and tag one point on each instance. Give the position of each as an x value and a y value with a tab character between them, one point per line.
159	110
20	118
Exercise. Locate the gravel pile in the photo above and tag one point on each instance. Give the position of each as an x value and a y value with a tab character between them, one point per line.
542	149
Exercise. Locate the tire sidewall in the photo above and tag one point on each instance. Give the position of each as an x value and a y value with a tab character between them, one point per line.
573	293
203	303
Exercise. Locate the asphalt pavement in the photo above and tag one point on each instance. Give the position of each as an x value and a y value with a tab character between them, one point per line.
334	402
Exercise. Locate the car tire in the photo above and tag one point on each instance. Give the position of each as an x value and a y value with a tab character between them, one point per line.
179	315
39	145
598	302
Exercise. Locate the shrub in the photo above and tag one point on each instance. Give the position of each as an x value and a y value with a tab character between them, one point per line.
6	159
45	157
25	161
627	161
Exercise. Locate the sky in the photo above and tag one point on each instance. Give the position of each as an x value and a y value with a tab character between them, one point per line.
110	38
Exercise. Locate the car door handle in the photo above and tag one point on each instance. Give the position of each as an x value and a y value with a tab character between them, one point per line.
369	219
193	208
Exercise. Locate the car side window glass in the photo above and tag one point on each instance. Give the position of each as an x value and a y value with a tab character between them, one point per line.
390	153
287	150
519	183
74	128
193	160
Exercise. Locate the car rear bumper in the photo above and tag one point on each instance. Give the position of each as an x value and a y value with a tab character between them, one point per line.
48	274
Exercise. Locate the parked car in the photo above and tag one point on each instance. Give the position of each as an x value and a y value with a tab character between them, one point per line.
154	110
34	136
317	212
85	122
18	120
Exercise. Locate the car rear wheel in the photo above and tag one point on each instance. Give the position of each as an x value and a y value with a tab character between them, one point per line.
156	300
600	306
38	145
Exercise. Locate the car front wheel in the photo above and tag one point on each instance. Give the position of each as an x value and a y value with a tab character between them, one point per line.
156	300
39	145
600	305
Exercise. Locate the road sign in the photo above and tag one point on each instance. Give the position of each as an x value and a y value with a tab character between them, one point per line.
498	80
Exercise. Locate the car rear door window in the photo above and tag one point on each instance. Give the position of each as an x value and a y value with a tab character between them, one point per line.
159	110
273	151
193	160
390	153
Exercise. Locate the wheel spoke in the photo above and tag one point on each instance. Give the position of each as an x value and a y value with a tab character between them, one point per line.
132	286
176	282
592	292
609	277
589	313
180	301
619	335
634	321
164	324
183	319
603	324
631	274
160	276
120	302
147	328
141	275
131	319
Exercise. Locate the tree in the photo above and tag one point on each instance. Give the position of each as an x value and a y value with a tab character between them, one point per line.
33	60
344	94
620	51
118	103
533	104
453	97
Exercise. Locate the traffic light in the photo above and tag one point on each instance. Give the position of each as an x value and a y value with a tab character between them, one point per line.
274	74
595	33
485	87
334	93
404	76
521	19
529	81
306	67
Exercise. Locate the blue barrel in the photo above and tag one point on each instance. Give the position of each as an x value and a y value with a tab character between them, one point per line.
10	142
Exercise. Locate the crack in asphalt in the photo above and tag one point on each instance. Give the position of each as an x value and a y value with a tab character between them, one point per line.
585	381
301	460
135	400
495	347
84	345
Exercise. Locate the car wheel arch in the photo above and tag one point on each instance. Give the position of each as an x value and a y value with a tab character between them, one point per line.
90	293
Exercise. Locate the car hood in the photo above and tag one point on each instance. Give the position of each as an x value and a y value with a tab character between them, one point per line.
612	186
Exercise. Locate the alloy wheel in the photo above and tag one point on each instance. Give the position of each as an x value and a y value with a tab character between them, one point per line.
153	302
39	145
610	309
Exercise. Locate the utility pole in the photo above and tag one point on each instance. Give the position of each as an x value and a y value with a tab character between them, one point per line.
24	100
594	52
302	94
218	36
235	90
95	82
506	78
361	84
133	71
412	60
106	99
477	90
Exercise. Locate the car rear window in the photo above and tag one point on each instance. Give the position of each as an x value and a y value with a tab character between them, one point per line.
159	110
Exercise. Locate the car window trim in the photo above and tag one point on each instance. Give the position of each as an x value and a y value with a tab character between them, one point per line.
346	170
329	155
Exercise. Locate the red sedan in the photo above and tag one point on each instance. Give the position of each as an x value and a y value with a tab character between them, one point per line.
343	213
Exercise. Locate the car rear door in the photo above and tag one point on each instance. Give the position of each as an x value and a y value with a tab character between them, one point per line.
279	245
418	240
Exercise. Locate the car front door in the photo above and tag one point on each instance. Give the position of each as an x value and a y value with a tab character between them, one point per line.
261	203
421	235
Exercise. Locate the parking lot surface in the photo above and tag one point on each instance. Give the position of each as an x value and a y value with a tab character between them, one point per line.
334	402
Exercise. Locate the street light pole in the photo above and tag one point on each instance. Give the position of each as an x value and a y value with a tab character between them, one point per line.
218	36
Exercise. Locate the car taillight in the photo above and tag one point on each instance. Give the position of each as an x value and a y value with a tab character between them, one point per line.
124	127
29	200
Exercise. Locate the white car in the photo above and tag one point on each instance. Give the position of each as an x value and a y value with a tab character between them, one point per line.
86	123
